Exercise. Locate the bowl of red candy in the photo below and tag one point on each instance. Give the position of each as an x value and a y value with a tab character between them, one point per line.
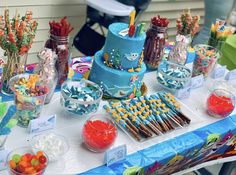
220	103
99	133
23	161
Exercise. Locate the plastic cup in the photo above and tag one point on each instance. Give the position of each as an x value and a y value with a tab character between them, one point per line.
28	107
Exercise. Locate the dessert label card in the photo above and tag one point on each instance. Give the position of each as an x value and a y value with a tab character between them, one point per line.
231	75
42	124
3	159
218	72
115	154
197	81
185	92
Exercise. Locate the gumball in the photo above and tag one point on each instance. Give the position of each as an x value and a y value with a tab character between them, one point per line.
42	159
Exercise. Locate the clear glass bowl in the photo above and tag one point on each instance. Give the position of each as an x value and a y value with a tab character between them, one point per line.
99	133
54	145
28	107
206	58
80	97
220	103
21	151
172	76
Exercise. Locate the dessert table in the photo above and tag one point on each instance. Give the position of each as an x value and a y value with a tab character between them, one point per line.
78	159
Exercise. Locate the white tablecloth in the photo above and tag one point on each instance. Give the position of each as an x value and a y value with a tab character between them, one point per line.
79	159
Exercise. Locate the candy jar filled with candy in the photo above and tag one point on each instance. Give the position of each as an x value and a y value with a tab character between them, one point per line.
206	58
155	42
59	42
30	95
99	133
220	103
179	53
47	71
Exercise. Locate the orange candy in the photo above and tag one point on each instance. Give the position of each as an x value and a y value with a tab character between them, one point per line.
12	164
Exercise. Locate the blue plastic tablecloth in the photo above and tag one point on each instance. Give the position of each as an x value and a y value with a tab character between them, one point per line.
201	145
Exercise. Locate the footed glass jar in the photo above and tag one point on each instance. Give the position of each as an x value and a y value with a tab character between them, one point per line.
220	103
47	71
179	53
60	44
154	46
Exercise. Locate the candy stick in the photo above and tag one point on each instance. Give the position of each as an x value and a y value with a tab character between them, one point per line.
132	18
157	116
167	112
155	122
157	108
141	126
173	107
123	124
146	117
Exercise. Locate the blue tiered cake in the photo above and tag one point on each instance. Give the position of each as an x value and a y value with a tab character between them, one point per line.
118	68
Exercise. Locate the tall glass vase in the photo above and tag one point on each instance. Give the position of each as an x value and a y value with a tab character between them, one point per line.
15	64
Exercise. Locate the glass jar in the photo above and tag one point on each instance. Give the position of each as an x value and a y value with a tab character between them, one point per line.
60	44
179	53
47	71
99	133
154	46
15	64
220	103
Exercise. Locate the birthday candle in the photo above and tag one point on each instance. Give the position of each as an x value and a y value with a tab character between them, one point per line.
132	18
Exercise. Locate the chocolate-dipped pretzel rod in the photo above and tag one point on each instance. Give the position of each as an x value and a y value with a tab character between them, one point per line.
123	123
171	102
163	111
148	112
159	112
142	125
157	115
169	113
142	116
132	117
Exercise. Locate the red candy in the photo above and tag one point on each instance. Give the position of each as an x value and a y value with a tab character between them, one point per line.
42	159
220	105
131	30
160	22
99	135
